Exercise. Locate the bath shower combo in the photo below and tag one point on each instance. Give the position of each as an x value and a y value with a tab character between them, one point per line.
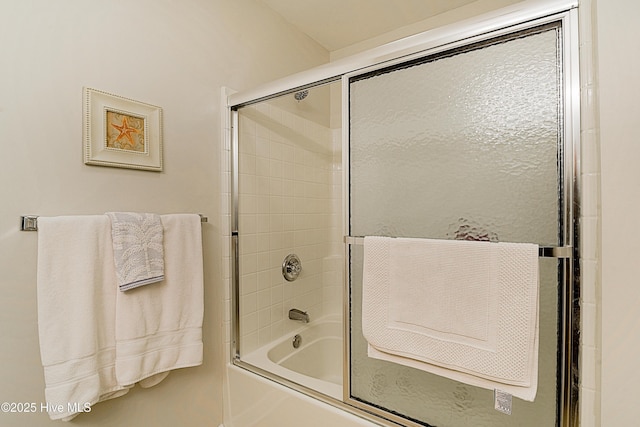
463	133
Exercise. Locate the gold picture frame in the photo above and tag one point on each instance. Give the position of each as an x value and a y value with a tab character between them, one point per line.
120	132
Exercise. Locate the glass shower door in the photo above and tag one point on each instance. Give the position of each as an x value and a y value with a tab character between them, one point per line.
465	144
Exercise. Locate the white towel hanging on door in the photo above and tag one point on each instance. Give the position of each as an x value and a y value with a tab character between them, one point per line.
464	310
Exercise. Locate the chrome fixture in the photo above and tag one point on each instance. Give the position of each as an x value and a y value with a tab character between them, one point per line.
291	267
299	96
297	340
30	222
543	251
295	314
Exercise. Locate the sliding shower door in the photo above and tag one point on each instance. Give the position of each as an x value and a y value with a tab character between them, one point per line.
464	144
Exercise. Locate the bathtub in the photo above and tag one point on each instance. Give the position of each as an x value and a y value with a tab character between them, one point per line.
315	364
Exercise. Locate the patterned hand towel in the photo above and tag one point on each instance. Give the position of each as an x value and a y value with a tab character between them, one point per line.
137	248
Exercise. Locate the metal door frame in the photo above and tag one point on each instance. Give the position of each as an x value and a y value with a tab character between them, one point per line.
568	249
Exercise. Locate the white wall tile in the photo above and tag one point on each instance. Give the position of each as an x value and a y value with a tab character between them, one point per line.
288	205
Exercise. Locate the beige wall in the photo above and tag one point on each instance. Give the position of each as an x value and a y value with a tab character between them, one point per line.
470	10
175	54
618	66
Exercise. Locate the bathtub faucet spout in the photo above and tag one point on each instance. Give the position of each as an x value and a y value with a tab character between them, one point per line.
295	314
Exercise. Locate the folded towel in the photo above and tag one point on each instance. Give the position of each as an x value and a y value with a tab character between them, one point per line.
76	312
137	248
464	310
159	328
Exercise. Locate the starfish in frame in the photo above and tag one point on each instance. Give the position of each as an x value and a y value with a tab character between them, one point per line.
125	131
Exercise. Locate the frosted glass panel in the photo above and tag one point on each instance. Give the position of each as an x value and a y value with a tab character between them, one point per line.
469	140
465	145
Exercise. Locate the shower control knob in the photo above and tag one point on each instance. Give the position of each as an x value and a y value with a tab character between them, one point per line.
291	267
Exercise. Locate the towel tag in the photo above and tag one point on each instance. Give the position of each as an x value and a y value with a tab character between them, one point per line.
502	401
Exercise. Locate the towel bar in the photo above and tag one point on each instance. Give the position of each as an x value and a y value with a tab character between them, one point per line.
543	251
30	222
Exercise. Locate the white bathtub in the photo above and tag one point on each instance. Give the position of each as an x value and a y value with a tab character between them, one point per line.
316	363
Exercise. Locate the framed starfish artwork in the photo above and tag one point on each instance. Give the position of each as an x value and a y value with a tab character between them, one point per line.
120	132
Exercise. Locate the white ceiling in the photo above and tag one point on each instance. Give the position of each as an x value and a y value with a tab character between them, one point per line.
336	24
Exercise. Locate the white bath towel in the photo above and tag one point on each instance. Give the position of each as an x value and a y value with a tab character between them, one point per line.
464	310
137	248
159	327
76	313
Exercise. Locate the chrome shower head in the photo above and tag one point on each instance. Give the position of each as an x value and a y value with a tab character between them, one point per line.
299	96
